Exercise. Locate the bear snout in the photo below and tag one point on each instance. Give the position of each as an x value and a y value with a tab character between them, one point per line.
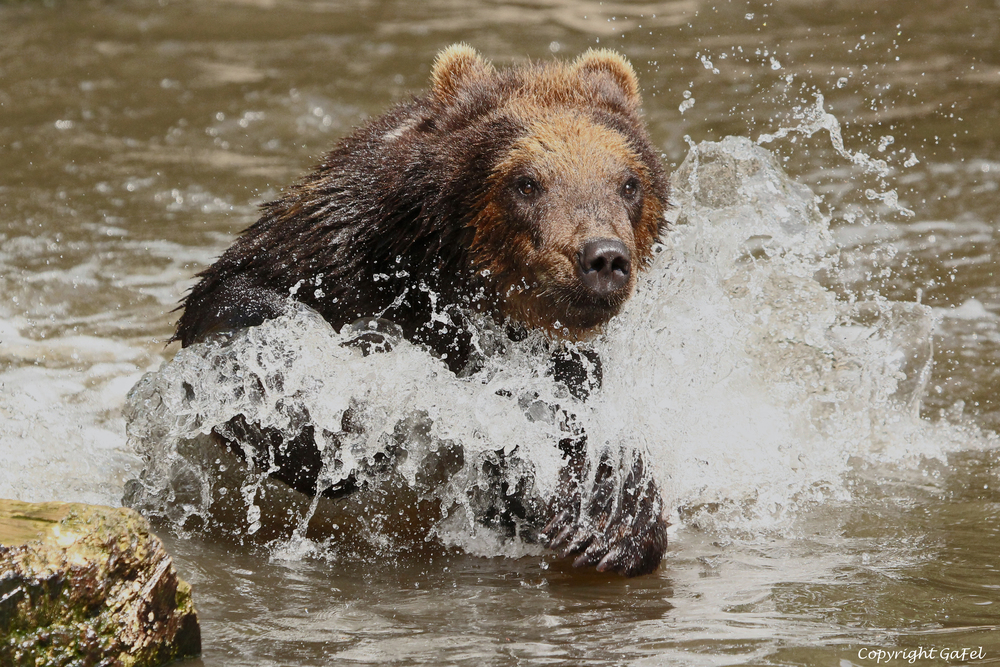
604	266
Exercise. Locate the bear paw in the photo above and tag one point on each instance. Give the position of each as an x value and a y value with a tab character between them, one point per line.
618	526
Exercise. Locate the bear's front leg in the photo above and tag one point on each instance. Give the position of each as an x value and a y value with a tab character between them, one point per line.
616	524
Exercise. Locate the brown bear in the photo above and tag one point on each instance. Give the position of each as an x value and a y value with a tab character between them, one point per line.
531	196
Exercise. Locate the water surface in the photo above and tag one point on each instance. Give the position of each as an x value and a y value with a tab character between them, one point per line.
137	138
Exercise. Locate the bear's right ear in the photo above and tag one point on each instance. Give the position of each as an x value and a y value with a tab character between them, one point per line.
455	67
609	63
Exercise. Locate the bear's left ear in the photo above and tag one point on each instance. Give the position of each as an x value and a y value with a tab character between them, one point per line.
455	67
606	61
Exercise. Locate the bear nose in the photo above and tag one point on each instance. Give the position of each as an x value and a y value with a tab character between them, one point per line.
604	265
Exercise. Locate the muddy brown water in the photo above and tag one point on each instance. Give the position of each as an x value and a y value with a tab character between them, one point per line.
137	138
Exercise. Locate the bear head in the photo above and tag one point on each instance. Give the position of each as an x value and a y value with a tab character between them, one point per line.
566	196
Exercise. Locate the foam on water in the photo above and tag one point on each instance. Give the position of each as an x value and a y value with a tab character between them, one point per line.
61	430
752	389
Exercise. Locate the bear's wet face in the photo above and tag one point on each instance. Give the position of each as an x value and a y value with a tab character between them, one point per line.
574	195
564	230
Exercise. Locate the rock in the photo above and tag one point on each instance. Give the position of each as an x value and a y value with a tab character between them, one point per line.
89	585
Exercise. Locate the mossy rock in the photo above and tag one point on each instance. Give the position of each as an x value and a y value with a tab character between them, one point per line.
89	585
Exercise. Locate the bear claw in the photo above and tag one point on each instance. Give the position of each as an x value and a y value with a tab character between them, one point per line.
622	532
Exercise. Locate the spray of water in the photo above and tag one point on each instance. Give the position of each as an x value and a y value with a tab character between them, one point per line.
815	118
749	386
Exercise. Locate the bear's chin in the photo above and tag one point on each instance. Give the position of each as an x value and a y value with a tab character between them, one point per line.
580	320
582	310
588	321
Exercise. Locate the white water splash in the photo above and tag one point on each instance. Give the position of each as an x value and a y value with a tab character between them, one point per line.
754	386
61	432
815	118
749	386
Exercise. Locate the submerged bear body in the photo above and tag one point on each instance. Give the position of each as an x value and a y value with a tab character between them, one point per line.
528	198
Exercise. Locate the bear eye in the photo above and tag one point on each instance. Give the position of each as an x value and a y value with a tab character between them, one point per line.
631	188
526	187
